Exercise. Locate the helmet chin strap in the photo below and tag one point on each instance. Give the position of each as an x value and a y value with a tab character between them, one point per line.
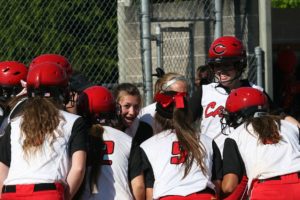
238	75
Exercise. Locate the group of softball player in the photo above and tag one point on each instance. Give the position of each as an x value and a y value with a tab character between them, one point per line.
65	138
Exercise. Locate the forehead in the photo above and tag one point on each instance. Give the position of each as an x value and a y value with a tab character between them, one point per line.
129	99
179	86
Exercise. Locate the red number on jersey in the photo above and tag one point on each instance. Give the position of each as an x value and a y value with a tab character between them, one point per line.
180	155
108	148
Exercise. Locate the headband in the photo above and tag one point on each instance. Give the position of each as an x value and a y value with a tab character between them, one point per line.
172	81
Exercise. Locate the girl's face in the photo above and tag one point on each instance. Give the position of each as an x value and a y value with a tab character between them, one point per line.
130	107
226	75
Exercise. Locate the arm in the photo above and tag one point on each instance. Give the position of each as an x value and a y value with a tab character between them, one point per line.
229	183
149	194
5	156
195	104
233	167
135	173
3	174
138	187
149	176
217	168
77	151
76	173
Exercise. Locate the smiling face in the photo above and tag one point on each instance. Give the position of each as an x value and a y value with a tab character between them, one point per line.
130	107
226	75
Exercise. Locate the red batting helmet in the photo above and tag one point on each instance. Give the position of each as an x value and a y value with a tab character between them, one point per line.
243	98
96	102
227	49
55	58
241	104
47	74
12	72
48	79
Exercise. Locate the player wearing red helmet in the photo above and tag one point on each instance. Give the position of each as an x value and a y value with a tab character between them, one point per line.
227	59
54	58
109	148
43	148
11	75
263	145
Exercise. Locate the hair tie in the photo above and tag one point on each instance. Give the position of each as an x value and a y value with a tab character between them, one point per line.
165	100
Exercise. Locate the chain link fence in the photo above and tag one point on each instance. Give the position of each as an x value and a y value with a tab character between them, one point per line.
102	39
86	32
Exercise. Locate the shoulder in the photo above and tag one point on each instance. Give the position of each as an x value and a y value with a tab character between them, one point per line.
290	123
69	116
157	140
121	136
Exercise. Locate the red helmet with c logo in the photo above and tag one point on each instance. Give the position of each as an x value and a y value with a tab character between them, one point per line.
227	49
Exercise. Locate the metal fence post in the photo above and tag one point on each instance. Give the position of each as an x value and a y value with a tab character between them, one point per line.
146	51
159	46
191	72
259	66
218	15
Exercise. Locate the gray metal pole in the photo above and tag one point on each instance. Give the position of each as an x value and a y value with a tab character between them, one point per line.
146	51
191	59
159	46
259	66
265	42
219	22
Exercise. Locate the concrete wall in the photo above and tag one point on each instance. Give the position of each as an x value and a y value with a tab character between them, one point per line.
240	18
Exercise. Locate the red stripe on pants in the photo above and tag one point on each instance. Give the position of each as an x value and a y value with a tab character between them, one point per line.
286	188
194	196
26	192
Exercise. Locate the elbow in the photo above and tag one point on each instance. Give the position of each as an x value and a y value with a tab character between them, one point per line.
229	183
228	189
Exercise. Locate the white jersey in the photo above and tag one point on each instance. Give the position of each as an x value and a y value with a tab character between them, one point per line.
113	180
49	165
213	102
162	151
270	160
147	114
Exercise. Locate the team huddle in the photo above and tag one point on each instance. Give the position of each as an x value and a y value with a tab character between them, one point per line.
62	137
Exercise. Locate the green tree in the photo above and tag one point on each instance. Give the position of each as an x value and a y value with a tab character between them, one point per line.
286	3
83	31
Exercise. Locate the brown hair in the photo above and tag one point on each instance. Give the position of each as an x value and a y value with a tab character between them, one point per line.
165	78
266	127
188	138
41	118
96	145
126	89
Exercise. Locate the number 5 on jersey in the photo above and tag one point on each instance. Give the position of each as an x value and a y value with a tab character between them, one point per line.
180	155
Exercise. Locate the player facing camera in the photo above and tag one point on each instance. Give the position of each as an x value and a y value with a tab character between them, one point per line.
227	59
